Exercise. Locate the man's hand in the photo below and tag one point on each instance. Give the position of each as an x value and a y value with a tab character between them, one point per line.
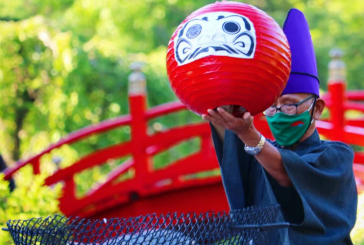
226	120
243	127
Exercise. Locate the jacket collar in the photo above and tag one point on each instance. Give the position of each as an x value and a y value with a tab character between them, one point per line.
311	142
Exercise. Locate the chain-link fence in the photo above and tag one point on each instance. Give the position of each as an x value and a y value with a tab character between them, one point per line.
251	226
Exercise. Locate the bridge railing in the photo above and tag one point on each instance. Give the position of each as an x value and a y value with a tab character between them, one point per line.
142	147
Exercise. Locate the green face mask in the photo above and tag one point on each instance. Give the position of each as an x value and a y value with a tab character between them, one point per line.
287	129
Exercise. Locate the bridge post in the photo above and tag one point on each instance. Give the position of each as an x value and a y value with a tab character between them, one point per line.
139	125
36	166
336	89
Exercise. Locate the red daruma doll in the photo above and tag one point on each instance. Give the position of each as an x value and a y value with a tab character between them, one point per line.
228	53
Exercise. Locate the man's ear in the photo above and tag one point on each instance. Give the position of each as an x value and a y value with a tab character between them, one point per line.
319	108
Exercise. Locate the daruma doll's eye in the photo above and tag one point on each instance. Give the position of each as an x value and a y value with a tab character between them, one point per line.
194	31
228	53
231	27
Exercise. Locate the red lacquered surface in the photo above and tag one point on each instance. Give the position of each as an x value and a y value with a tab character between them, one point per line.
253	83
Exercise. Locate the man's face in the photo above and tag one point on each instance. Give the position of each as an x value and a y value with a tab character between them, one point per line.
293	99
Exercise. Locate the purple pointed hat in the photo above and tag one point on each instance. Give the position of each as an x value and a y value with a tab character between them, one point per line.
303	77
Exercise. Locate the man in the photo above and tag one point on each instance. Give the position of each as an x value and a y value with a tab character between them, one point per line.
312	180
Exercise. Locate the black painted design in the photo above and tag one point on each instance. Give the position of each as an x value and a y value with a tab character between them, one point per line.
231	27
215	34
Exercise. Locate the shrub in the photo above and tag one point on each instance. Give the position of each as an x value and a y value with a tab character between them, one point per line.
30	199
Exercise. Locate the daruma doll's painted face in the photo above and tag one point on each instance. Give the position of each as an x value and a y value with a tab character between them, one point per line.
228	53
216	33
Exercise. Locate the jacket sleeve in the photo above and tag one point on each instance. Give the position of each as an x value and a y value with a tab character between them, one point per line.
242	175
324	194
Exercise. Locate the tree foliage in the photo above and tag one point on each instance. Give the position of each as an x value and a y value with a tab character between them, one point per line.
29	200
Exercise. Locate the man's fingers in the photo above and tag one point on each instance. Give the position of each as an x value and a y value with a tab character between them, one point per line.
227	120
225	115
213	117
205	117
209	118
248	117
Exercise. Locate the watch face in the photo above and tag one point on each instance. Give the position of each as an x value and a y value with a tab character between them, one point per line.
251	150
255	150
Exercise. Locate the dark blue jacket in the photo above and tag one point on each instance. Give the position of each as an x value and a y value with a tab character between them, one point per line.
322	201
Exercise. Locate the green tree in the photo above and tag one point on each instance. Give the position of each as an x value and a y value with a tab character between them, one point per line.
29	200
28	74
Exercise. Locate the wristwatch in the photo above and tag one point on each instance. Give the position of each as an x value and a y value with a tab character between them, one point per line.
255	150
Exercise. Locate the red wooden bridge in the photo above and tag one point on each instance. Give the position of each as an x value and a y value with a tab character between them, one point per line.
175	187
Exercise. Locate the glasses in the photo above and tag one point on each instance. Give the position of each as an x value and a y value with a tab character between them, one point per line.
289	109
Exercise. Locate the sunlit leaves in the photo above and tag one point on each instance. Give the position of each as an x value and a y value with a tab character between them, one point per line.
29	200
29	49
